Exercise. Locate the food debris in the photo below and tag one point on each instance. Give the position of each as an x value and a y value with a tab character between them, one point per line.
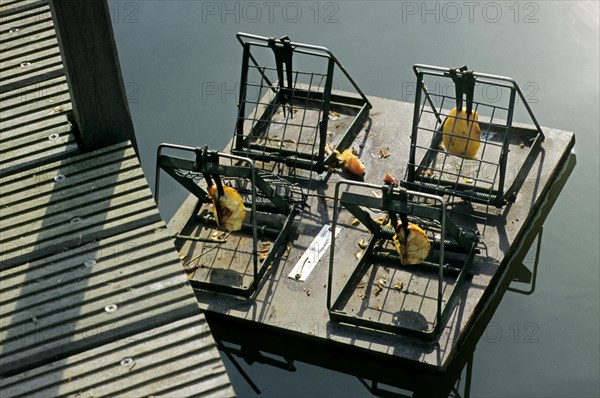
379	308
468	180
307	291
378	290
414	248
362	243
355	221
382	220
521	145
399	285
287	250
328	149
358	255
427	172
218	235
390	179
384	153
228	209
351	162
377	194
381	282
266	246
361	296
262	256
360	285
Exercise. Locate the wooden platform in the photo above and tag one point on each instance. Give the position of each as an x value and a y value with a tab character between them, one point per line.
297	309
163	361
34	98
87	264
93	297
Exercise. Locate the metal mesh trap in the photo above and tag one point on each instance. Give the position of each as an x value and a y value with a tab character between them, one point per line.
231	262
287	99
464	151
381	293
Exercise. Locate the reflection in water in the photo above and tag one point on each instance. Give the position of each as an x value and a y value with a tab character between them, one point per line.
376	375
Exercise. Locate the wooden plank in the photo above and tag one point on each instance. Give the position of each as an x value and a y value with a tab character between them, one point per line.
92	68
11	20
31	80
32	53
36	112
15	28
34	128
49	61
64	311
24	27
10	9
178	359
40	36
106	158
44	146
76	210
27	100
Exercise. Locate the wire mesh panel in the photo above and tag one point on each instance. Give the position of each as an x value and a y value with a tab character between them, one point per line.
407	278
243	218
463	133
287	98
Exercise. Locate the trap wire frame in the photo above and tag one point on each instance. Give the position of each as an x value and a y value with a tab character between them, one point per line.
262	192
305	97
481	179
444	235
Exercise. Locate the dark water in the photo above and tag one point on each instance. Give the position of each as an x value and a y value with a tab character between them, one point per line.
181	63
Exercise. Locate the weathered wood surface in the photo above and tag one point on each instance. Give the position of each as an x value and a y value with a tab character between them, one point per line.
12	7
291	306
67	203
34	97
34	127
86	262
59	305
28	44
164	361
89	274
100	106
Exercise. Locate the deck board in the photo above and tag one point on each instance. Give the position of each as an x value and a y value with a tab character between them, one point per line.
69	290
160	362
34	97
30	231
89	273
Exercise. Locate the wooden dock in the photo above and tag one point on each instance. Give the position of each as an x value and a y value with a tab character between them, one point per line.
296	310
94	300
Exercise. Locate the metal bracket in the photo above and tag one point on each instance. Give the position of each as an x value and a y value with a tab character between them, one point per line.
464	83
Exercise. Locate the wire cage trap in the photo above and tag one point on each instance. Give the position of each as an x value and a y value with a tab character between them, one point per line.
381	293
287	99
462	135
230	262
